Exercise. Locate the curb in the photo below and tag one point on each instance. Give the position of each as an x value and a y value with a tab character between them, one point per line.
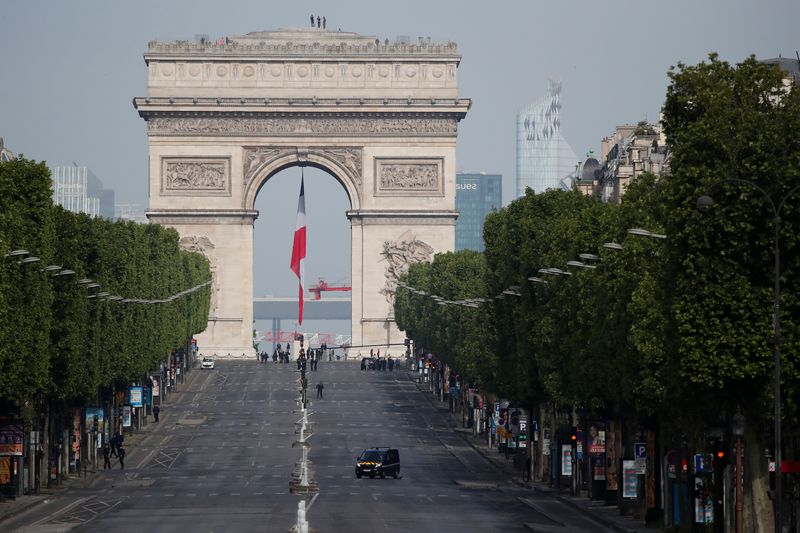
598	518
531	486
22	507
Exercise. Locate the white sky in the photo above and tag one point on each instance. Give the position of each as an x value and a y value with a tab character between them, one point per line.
71	68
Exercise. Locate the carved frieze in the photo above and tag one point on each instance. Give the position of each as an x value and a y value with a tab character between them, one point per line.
203	245
283	126
409	177
195	176
258	158
399	255
349	158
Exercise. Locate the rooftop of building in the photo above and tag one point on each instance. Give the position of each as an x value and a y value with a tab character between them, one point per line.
305	41
789	65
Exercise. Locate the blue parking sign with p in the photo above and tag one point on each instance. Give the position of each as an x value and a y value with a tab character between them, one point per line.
640	450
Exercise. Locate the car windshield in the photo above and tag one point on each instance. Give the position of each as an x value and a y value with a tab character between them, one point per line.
371	455
207	360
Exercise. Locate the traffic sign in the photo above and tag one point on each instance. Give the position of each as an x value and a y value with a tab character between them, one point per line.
640	455
640	450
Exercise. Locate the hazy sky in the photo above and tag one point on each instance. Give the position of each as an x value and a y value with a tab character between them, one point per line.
71	68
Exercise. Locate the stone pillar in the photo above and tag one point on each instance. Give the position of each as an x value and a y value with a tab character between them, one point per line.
225	238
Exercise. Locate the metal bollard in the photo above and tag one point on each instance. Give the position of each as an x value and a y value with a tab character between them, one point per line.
302	524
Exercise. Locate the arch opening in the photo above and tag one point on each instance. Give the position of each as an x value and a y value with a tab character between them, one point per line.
328	258
343	164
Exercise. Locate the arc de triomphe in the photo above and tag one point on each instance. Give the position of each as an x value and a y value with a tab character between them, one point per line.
380	117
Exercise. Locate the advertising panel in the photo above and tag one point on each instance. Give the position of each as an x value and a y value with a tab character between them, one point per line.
94	422
630	479
11	437
566	459
136	396
126	416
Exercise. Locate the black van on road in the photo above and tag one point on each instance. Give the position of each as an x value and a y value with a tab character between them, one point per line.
380	461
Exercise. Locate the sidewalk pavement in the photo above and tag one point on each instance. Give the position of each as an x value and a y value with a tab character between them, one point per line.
10	508
607	515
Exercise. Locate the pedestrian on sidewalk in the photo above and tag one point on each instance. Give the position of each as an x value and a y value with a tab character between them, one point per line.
106	459
156	410
113	442
121	452
120	442
320	386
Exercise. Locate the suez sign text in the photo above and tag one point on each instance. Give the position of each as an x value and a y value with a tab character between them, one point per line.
466	186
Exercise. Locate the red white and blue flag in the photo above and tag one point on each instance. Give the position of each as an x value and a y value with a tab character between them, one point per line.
299	248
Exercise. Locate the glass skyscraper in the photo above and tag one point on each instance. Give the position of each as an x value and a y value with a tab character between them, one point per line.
544	158
477	195
77	189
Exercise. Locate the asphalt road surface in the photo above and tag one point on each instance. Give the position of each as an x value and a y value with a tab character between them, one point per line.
222	456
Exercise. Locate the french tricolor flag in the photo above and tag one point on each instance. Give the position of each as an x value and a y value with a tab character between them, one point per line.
299	248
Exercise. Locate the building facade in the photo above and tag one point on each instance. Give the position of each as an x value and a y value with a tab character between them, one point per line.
624	155
790	66
477	195
77	189
544	158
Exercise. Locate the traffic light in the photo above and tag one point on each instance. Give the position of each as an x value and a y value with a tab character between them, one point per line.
567	435
407	342
721	456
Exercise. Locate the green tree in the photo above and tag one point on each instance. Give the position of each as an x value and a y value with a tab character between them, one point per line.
724	121
25	292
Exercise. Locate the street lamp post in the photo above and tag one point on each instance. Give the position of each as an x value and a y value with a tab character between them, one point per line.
704	203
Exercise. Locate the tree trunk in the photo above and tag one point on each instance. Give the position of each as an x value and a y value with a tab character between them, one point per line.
759	514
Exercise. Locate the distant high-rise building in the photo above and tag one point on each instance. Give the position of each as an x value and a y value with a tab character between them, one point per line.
477	195
77	189
130	212
544	158
5	153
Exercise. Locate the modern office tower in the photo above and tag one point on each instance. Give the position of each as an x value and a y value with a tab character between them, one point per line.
544	159
77	189
5	153
477	195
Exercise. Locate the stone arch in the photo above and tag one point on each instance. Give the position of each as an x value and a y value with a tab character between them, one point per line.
260	163
382	120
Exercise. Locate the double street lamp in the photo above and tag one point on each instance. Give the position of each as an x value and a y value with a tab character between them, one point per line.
704	203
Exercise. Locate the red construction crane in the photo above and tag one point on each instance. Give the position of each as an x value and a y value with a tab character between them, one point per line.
323	286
